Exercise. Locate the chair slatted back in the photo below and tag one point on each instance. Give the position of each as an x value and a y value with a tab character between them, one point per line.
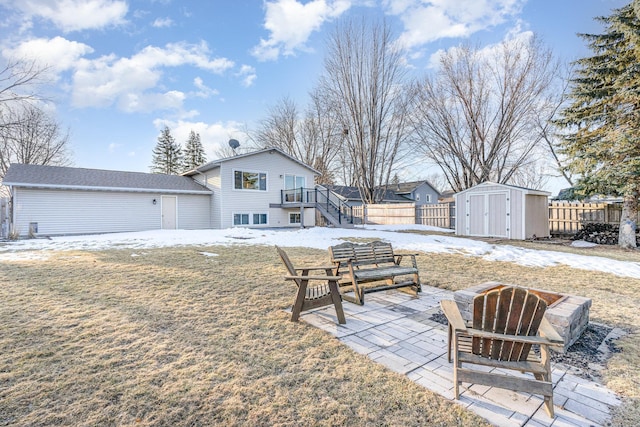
508	311
286	261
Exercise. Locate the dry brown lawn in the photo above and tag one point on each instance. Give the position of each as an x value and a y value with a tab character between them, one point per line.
175	337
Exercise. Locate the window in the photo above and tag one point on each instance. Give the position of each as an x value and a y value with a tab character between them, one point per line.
260	218
250	180
256	219
240	219
294	218
417	197
427	198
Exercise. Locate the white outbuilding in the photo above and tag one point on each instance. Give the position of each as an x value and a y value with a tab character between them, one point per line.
504	211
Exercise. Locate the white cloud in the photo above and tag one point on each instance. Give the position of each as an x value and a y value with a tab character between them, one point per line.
203	91
76	15
130	82
291	22
248	75
57	53
426	21
162	23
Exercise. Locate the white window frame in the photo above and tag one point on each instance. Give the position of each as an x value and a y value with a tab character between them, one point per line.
299	218
266	215
250	219
243	171
233	219
427	198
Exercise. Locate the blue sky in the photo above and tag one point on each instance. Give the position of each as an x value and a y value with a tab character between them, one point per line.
122	69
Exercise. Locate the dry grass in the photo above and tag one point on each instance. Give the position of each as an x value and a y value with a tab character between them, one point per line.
173	337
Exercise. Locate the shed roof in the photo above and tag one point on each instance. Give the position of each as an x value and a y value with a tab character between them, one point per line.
216	163
59	177
494	184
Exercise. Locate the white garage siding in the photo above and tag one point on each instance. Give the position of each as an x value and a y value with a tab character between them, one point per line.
61	212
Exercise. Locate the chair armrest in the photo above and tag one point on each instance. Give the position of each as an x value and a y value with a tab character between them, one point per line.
452	312
526	339
319	277
547	330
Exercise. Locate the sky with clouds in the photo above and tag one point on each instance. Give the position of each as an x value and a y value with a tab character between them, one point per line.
120	70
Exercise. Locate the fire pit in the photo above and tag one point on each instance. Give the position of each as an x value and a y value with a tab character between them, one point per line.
568	314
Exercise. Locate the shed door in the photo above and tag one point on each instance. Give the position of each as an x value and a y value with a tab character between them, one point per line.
488	214
476	215
169	212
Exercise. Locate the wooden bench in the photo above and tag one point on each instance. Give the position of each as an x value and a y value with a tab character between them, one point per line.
374	264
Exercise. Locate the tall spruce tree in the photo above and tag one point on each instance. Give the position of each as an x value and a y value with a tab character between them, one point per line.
602	121
167	155
194	152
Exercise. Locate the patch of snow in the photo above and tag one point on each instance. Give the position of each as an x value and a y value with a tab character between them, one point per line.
583	244
319	238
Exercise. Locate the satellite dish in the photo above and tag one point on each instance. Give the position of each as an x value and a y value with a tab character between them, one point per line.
233	143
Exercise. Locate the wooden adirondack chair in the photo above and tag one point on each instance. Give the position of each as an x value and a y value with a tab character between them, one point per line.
324	292
506	323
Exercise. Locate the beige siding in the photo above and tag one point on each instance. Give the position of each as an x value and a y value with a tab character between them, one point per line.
82	212
255	201
536	216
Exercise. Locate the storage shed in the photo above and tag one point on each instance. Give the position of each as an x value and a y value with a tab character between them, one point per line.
498	210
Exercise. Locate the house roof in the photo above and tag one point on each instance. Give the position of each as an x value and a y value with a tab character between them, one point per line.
408	187
216	163
39	176
352	193
494	184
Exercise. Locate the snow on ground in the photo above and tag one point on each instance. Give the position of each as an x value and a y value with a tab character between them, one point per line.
317	237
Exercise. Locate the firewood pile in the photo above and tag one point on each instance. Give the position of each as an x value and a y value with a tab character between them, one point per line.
602	234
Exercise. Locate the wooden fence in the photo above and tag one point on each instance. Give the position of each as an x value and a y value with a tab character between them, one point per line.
392	213
441	215
566	218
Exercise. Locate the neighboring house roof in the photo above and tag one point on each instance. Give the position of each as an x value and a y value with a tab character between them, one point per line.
353	194
38	176
495	184
216	163
409	187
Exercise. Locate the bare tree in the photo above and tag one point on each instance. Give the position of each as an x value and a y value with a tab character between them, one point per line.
314	138
478	118
33	138
18	81
364	85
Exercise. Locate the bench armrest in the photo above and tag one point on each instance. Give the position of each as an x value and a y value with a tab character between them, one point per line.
326	267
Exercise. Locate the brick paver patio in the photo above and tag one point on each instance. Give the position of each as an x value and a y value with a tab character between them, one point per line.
394	329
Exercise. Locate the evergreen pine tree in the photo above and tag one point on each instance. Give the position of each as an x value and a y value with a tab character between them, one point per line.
194	152
167	155
602	119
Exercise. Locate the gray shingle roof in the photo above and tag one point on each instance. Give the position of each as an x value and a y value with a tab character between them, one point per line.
352	193
97	179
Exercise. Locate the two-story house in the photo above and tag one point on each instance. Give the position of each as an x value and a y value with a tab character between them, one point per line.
265	188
